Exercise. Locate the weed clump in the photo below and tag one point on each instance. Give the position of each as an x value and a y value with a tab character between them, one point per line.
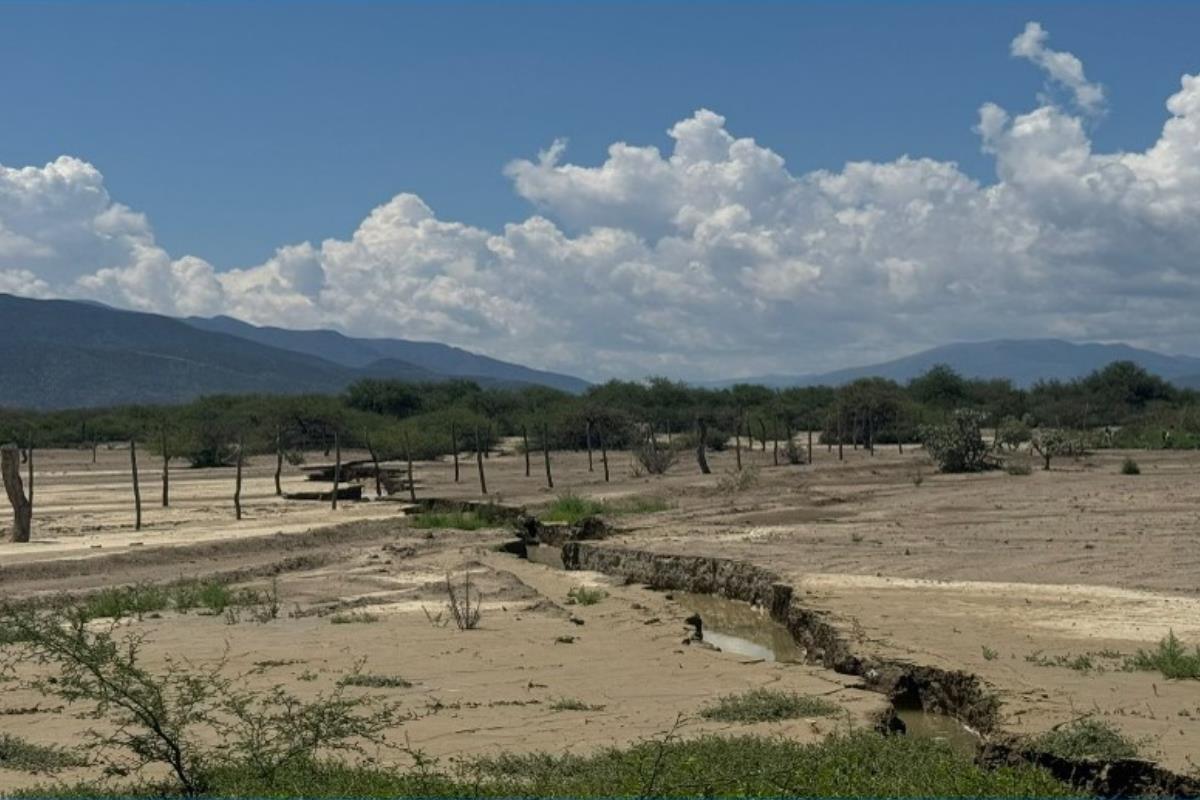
372	681
353	618
1089	739
573	704
585	596
1130	467
767	705
1171	658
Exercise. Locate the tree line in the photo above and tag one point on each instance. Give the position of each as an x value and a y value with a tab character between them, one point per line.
395	419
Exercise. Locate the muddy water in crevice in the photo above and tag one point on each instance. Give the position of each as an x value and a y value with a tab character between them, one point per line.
738	627
939	727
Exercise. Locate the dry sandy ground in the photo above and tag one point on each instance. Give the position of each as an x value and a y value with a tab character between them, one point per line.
486	690
979	572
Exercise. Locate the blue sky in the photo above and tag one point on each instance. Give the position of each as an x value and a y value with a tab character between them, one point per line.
355	165
245	125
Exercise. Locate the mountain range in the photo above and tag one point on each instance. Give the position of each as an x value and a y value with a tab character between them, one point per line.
1023	361
69	354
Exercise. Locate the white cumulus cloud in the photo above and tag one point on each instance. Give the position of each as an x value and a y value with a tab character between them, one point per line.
711	259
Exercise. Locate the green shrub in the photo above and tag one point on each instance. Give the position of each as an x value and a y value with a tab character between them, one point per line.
1130	467
1171	658
957	445
1089	739
1018	468
767	705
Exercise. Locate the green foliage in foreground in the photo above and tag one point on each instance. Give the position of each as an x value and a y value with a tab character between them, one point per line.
1171	658
862	764
1089	739
767	705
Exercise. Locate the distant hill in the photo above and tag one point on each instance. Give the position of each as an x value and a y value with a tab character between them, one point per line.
356	352
67	354
1023	361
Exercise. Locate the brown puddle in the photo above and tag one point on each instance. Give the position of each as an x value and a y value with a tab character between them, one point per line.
738	627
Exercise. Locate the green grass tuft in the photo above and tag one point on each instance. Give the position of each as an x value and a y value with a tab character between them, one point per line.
571	508
767	705
1089	739
1171	658
1130	467
456	520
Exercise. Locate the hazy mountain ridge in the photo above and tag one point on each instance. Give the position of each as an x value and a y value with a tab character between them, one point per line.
360	352
68	354
1023	361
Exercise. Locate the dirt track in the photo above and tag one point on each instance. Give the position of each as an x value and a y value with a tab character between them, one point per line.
990	573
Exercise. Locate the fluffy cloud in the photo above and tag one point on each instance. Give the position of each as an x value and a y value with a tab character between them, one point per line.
1062	68
710	260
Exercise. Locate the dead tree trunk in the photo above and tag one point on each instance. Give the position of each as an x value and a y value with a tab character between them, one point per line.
454	448
29	463
166	472
137	490
237	483
412	478
479	461
525	445
278	461
603	452
840	434
588	433
737	442
546	455
701	437
337	468
374	463
810	444
10	466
